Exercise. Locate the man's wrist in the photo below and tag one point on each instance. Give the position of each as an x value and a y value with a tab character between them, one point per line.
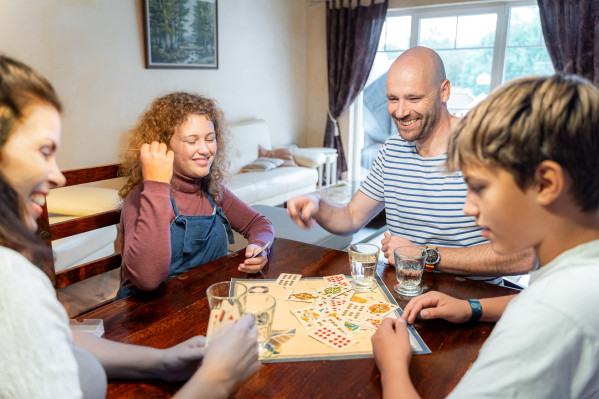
433	258
476	309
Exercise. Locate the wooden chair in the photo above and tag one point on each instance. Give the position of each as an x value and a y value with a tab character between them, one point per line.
82	224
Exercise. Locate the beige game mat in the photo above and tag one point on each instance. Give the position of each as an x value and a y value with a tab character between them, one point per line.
290	339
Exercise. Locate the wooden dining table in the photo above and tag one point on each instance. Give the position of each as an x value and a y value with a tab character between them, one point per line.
178	310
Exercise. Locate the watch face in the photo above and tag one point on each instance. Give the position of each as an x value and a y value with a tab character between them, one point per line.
432	256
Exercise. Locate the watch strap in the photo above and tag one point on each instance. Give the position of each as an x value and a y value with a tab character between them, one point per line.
430	267
477	310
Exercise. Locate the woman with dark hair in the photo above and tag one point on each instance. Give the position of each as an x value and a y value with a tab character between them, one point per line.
177	215
41	356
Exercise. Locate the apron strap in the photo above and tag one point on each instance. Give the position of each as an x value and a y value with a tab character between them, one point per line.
174	206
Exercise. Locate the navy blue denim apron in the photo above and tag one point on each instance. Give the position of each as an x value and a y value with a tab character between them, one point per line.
195	240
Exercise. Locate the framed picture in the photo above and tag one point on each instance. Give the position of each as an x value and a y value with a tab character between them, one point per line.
181	33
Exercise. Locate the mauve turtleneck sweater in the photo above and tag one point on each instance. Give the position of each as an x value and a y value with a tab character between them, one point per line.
145	226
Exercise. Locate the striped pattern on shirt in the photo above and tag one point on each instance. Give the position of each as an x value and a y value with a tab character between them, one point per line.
423	203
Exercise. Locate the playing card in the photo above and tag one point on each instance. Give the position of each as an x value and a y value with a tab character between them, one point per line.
345	326
309	318
346	295
302	296
379	308
371	322
332	304
288	280
331	291
358	299
332	338
352	311
220	317
338	279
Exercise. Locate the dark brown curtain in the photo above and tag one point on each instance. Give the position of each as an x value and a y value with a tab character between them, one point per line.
571	30
352	39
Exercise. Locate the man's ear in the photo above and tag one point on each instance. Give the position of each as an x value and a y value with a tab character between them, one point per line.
445	90
550	180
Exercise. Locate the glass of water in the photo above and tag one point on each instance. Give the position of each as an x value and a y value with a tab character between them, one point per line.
226	301
363	258
409	266
262	307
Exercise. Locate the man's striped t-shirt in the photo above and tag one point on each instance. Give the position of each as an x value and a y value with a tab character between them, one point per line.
423	203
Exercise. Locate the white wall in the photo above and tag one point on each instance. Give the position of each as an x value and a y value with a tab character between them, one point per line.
92	51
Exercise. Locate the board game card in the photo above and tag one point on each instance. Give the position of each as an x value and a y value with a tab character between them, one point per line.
352	311
288	280
309	318
221	317
332	304
338	279
332	338
332	291
346	295
358	299
380	308
371	322
302	296
345	326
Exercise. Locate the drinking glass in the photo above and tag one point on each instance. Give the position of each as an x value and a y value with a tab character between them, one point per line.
409	266
226	301
262	307
364	258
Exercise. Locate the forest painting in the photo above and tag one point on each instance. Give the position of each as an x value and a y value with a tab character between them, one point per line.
181	33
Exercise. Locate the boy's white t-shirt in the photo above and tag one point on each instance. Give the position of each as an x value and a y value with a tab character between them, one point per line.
546	344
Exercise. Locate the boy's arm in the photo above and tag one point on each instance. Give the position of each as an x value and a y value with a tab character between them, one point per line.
478	260
435	305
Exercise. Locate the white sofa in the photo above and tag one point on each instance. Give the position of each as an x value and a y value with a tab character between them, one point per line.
275	186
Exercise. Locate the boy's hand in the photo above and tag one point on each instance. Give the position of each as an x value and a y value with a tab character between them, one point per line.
253	265
389	243
391	346
435	305
156	162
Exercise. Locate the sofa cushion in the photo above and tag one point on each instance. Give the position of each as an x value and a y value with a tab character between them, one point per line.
262	164
245	138
286	154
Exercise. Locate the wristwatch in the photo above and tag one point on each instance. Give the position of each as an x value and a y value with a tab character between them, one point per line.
432	258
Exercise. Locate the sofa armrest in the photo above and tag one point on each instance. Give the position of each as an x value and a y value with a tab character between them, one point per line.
312	157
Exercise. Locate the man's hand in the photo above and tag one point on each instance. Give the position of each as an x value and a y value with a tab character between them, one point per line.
435	305
389	243
156	162
302	210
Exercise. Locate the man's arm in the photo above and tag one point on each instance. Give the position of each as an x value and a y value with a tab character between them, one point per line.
479	260
335	218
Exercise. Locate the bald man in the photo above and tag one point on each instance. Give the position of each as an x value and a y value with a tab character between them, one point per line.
423	204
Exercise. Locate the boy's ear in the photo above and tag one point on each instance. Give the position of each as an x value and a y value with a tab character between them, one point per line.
550	180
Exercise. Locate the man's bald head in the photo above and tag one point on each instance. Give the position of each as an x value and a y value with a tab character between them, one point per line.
421	63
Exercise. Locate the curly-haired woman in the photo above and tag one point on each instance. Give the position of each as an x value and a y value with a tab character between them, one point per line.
177	215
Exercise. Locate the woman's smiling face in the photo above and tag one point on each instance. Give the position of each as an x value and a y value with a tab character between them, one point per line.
28	158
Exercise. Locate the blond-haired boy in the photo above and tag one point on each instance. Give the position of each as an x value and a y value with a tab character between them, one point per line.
529	155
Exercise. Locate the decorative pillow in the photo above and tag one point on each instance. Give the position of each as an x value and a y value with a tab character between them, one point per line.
261	164
286	154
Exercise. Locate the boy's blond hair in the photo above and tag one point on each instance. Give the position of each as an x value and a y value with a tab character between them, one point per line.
530	120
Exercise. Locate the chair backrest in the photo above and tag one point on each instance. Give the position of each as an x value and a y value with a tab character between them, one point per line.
77	225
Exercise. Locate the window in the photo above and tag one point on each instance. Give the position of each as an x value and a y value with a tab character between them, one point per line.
482	47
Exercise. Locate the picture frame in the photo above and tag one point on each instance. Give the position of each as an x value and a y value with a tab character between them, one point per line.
181	33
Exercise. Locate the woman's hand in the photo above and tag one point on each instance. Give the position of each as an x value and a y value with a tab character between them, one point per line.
156	162
435	305
182	360
232	356
253	265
